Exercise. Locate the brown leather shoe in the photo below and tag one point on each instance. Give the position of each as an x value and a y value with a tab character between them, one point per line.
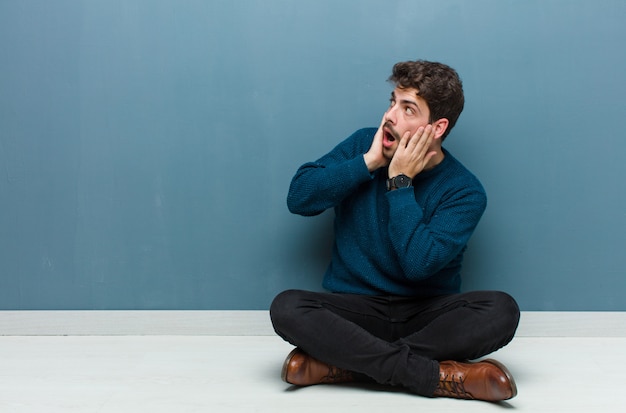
486	380
303	370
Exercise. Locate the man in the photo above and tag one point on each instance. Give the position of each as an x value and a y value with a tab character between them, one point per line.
404	211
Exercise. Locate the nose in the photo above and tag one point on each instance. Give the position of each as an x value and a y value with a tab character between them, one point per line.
390	115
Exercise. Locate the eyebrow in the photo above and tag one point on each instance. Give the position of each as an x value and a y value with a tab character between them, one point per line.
406	101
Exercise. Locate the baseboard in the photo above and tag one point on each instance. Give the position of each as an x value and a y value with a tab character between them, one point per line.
257	323
118	322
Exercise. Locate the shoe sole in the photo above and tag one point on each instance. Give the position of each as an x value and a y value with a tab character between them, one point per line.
283	373
507	373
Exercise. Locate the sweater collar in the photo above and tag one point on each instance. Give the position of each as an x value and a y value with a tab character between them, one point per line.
447	158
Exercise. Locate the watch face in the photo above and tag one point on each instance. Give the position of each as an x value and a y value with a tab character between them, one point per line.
402	181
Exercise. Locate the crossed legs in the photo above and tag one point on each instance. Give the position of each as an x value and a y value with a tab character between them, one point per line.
395	340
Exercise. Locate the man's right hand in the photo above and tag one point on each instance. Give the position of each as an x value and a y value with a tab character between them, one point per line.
374	158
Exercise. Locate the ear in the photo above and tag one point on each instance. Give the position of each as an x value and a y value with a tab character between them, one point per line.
440	127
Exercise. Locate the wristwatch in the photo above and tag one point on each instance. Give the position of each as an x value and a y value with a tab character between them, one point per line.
399	181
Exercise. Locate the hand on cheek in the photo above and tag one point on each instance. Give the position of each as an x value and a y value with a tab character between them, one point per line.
413	153
375	158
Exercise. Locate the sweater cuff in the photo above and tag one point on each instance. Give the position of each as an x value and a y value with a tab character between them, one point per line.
358	169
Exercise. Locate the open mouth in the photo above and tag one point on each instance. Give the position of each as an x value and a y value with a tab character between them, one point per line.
389	137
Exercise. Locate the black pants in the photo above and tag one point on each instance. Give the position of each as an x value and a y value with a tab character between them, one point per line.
395	340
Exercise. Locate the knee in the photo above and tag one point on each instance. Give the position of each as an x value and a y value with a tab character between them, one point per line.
507	311
283	308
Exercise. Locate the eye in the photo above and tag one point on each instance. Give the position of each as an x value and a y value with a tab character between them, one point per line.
409	110
391	102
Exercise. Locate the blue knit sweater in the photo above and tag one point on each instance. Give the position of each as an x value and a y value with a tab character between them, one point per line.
407	242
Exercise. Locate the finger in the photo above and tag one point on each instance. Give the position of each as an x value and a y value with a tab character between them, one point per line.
382	123
427	142
428	135
379	133
405	140
419	135
419	141
431	132
422	148
428	131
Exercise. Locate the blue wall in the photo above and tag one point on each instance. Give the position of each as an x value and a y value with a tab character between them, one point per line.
146	147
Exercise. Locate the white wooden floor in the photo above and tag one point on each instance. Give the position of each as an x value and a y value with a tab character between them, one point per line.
189	373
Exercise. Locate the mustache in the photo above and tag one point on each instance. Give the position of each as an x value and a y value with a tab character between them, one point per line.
392	131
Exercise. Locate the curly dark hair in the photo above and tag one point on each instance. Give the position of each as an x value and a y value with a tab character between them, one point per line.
438	84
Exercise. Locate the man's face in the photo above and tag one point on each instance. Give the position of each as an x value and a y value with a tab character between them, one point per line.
407	112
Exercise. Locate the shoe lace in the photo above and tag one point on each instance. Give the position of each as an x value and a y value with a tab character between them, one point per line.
453	386
336	374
